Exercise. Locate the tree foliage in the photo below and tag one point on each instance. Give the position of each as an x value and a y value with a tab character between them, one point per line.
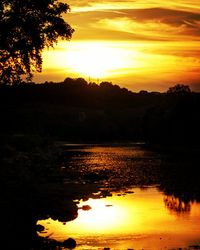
179	89
26	28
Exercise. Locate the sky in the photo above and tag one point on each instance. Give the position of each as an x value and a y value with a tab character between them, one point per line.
140	44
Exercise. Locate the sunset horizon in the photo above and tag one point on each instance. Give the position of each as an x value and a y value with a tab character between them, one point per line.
141	45
99	132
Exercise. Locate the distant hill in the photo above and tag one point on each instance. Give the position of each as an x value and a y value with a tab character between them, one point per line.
75	110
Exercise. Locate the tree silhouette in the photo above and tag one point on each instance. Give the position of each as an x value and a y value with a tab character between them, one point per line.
179	89
26	28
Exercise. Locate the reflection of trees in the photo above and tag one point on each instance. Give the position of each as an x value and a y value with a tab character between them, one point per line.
177	205
180	182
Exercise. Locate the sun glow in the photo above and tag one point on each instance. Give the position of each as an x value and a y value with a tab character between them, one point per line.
125	61
98	59
92	59
102	216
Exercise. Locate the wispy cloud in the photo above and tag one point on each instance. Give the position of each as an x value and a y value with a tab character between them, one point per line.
159	41
137	24
150	30
91	5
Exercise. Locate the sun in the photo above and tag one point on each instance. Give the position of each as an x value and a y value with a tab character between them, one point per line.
96	59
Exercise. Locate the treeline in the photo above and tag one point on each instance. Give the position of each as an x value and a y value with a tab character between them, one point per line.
78	111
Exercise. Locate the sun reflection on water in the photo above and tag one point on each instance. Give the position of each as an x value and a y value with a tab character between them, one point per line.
138	219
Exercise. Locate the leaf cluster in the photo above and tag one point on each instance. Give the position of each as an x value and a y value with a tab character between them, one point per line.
26	28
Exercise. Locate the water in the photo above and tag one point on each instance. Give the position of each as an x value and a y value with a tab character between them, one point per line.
138	211
117	165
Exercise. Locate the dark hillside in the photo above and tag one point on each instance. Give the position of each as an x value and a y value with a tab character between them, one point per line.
75	110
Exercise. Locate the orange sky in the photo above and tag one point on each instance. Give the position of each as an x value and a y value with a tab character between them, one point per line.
140	44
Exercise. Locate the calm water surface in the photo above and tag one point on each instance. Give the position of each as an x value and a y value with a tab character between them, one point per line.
132	218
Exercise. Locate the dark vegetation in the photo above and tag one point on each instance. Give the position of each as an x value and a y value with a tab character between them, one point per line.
26	28
75	110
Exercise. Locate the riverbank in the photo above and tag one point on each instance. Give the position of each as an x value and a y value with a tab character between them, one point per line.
42	179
